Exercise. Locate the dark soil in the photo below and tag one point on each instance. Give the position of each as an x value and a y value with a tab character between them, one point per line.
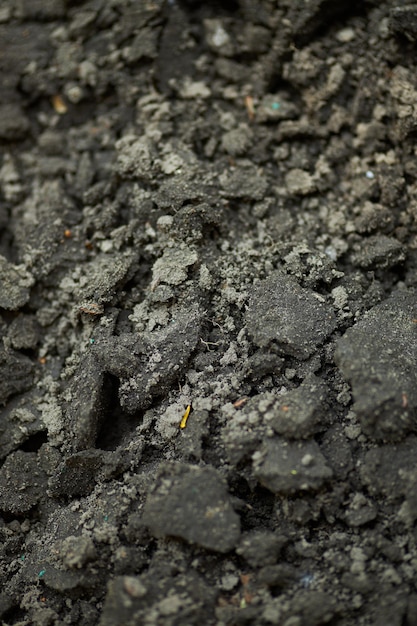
208	311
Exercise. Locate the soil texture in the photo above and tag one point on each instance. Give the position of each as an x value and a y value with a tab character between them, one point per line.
208	313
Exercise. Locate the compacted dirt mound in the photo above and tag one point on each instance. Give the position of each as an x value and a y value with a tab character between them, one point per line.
208	313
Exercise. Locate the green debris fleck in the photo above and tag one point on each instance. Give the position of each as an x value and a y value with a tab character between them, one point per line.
275	106
42	573
294	472
92	341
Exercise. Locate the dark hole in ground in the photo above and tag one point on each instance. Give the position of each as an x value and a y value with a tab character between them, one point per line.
115	424
34	442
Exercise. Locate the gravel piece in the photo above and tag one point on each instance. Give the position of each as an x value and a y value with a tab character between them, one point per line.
18	422
75	552
14	124
237	140
380	251
164	356
103	275
180	599
389	470
247	183
15	283
175	193
302	412
16	374
261	548
286	468
378	356
22	483
136	158
299	182
6	603
24	332
172	267
144	46
63	581
76	476
403	21
360	511
192	503
283	313
84	405
313	608
245	428
278	576
40	9
275	107
337	449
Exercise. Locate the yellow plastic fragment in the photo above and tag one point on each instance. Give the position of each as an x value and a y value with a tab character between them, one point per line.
183	422
59	105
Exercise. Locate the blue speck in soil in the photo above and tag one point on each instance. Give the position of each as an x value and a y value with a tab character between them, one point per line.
306	580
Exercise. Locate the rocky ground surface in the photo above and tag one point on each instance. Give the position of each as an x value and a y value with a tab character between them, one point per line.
208	311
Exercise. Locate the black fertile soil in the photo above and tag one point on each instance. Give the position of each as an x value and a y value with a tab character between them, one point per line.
208	313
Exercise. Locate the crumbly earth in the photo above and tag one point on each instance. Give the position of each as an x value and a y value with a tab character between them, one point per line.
208	313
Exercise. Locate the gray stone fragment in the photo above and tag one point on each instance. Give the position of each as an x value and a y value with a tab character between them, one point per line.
15	283
261	548
403	21
302	412
299	182
22	483
378	356
67	580
144	45
174	192
105	275
137	157
244	183
84	406
13	123
172	267
380	251
15	373
360	511
279	576
313	608
276	107
118	355
42	10
19	420
244	429
76	551
170	600
164	355
286	468
389	470
237	140
192	503
337	449
77	474
24	332
282	312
